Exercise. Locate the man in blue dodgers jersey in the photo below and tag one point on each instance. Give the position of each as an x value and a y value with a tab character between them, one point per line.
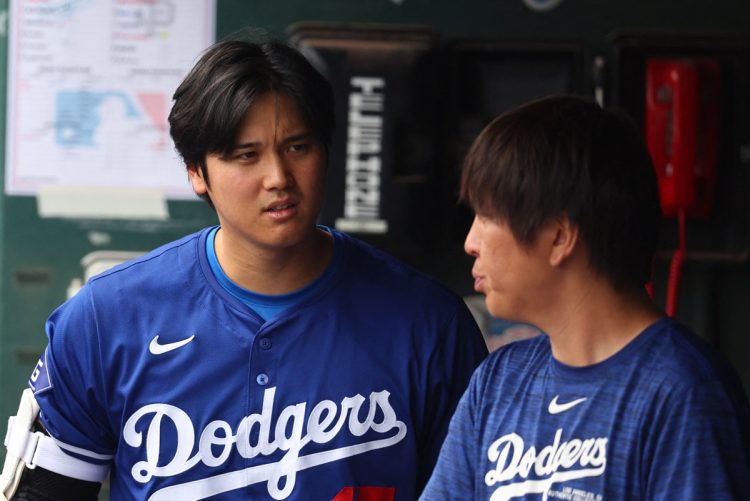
617	401
265	358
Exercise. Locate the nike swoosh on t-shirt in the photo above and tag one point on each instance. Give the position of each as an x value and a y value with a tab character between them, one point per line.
557	408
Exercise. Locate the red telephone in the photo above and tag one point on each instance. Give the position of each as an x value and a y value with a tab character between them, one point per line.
682	125
682	134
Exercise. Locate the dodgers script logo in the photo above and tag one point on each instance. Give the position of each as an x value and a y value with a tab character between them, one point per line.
557	462
291	434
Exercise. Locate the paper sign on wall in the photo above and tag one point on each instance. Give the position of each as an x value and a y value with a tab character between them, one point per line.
90	84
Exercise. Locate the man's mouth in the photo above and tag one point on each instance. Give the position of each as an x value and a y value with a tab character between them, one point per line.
279	207
478	282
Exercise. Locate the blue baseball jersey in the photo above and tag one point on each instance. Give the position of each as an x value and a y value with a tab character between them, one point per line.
665	418
154	370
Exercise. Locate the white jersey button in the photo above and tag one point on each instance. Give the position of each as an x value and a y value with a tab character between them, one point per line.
262	379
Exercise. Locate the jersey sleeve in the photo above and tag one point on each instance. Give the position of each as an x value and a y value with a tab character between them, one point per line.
69	383
702	445
454	473
460	353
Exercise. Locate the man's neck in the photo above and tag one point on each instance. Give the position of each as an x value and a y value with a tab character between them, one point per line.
274	271
595	321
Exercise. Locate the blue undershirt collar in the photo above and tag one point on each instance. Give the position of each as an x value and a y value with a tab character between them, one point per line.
268	306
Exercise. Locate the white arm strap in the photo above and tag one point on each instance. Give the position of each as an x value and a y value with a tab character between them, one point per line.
27	449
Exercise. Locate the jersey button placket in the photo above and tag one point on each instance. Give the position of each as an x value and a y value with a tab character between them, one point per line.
264	343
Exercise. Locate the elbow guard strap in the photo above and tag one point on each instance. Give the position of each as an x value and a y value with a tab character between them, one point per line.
29	449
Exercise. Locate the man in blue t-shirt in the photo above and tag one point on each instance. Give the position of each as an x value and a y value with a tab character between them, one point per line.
617	401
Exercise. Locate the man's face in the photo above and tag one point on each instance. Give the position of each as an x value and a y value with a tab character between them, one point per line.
268	191
514	278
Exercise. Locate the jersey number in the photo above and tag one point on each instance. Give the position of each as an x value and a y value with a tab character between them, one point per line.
366	494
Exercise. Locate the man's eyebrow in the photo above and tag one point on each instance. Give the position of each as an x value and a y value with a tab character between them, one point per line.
302	136
249	144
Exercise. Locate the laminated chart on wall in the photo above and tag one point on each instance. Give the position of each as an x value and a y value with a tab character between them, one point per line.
90	86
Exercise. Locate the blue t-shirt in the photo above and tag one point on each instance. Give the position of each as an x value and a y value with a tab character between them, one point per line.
663	419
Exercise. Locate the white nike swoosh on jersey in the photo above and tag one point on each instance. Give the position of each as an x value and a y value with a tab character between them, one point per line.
156	348
557	408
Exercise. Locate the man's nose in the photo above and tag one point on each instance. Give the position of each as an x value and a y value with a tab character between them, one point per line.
278	175
471	244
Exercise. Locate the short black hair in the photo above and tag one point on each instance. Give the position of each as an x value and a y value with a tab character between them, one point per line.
565	155
211	102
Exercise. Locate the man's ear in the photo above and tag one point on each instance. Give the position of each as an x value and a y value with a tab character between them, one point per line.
565	240
195	174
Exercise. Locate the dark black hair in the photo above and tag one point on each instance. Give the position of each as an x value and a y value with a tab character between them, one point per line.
565	155
211	102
